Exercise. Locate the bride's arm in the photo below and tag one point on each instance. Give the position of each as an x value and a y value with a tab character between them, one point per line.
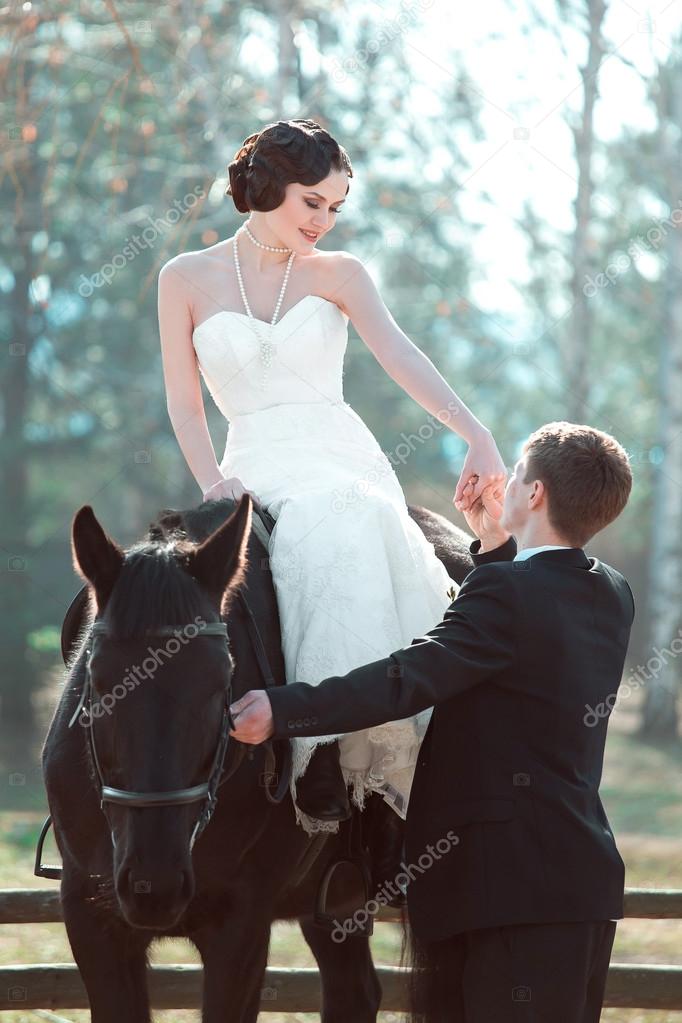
184	400
356	293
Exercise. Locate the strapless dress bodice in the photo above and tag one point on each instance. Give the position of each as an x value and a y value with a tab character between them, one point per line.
310	343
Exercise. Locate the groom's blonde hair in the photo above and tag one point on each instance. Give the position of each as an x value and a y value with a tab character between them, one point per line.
587	475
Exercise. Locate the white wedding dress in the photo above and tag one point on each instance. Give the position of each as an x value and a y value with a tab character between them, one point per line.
354	575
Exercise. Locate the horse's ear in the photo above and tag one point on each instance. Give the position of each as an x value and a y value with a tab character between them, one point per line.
219	563
96	557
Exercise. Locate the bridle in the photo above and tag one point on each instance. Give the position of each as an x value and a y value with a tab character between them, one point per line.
208	790
205	791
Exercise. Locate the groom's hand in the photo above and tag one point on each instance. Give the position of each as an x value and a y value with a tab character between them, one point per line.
253	721
483	518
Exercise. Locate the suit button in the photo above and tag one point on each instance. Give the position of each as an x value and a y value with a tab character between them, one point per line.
299	723
313	721
290	724
306	721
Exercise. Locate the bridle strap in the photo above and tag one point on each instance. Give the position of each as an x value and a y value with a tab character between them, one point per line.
100	628
206	791
112	795
176	797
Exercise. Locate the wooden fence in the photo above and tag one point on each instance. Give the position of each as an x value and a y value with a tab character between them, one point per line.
58	985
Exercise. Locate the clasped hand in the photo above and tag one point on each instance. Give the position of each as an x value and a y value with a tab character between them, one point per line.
483	466
253	721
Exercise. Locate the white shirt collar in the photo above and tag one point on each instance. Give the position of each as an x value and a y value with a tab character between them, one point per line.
529	551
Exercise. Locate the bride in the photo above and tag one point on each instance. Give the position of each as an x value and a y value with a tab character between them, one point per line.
263	317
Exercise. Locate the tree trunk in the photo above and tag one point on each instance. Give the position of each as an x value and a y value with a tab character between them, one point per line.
17	679
288	85
577	342
659	716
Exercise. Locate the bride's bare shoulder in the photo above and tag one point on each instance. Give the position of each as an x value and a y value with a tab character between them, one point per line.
188	273
334	269
334	261
197	260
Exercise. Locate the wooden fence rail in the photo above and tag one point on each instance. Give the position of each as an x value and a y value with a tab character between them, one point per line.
42	906
59	986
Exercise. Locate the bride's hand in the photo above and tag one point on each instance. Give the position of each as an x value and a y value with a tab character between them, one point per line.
483	467
230	487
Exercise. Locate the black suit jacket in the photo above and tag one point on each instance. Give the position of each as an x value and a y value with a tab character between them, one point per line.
504	824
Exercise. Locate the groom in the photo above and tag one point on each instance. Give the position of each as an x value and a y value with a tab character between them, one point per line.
517	917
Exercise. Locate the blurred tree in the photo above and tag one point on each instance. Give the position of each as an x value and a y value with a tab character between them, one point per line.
661	706
578	338
636	363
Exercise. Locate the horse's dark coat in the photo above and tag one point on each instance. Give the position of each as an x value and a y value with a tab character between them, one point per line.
241	874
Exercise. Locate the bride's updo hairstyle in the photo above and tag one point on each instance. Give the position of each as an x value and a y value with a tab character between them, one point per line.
279	154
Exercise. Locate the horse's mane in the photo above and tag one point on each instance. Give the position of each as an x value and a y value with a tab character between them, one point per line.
154	587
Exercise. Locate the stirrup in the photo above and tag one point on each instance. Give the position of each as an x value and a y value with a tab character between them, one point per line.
356	857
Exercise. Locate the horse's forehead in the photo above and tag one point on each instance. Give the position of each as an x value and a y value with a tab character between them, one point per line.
168	549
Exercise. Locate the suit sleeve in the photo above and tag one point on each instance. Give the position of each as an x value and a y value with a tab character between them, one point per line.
505	552
632	598
474	642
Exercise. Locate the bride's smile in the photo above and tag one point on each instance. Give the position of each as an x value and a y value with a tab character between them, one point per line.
281	229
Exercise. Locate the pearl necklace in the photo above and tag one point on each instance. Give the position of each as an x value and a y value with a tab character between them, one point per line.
266	345
261	245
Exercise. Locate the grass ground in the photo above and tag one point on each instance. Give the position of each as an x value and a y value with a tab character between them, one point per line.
642	793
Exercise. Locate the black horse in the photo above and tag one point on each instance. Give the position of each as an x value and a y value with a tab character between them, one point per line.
137	748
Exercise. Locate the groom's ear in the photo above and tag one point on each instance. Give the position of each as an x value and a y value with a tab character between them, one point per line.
537	495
